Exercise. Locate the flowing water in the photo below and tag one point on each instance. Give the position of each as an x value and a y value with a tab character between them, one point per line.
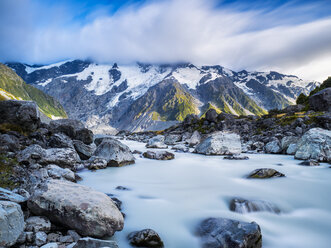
172	197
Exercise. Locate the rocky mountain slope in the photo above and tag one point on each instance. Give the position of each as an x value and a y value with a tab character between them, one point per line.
152	97
13	87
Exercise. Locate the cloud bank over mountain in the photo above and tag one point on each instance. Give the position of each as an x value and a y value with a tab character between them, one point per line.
287	38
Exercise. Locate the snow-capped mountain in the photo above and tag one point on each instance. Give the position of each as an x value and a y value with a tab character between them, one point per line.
143	96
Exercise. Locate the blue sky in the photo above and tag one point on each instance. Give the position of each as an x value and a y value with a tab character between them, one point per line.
289	36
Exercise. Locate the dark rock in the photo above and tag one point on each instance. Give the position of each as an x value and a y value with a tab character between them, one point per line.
265	173
122	188
84	151
145	238
159	155
236	157
60	140
221	233
19	115
211	115
321	101
9	142
310	163
137	152
73	128
243	206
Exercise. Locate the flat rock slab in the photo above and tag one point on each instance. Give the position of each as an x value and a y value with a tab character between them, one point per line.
159	155
265	173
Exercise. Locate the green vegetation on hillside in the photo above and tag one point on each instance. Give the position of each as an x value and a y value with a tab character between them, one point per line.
304	100
13	87
208	106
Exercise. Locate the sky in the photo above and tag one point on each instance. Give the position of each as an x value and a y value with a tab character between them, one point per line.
292	37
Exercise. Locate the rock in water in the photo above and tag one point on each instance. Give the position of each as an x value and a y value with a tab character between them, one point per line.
145	238
315	144
83	209
243	206
95	243
159	155
227	233
265	173
157	142
220	143
11	223
115	152
22	115
195	139
321	101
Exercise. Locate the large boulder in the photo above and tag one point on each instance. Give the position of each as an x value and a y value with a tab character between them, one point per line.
60	140
287	141
226	233
157	142
159	155
63	157
115	152
220	143
84	151
145	238
57	172
315	144
273	147
73	128
9	143
195	139
89	212
19	115
11	223
172	139
321	101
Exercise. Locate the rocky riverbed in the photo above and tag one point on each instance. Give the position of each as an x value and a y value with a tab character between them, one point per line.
206	175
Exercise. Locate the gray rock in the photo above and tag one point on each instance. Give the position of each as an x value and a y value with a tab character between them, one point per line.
195	139
11	223
40	238
53	237
60	140
287	141
243	206
321	101
66	239
157	142
22	115
9	142
273	147
145	238
180	148
57	172
159	155
95	243
310	163
73	128
78	207
37	223
298	130
221	233
96	163
220	143
172	139
292	148
315	144
7	195
29	237
115	152
74	235
84	151
50	245
265	173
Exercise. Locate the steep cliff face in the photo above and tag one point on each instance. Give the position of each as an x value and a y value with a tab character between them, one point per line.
143	96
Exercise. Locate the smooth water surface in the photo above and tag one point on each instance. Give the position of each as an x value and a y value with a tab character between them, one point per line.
172	197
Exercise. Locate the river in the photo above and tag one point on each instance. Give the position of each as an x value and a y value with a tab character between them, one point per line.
172	197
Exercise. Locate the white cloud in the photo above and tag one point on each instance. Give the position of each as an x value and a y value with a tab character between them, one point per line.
178	30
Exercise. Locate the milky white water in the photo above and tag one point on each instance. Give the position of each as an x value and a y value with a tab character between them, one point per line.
172	197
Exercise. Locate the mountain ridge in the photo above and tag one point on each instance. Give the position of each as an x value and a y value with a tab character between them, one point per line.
105	93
